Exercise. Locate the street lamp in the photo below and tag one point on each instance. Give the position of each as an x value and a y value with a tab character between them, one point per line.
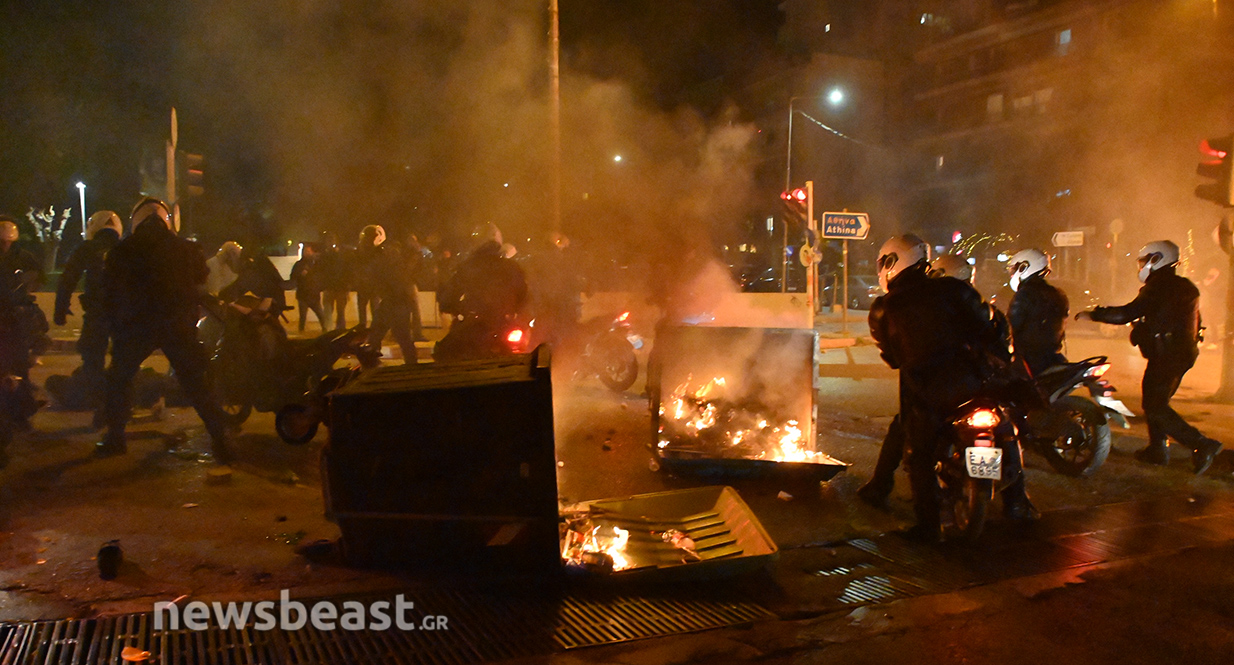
81	191
835	97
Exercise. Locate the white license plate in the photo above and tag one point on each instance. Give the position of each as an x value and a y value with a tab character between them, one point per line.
984	463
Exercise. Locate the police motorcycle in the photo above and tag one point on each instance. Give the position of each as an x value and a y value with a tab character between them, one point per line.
1071	431
23	336
975	465
605	347
253	365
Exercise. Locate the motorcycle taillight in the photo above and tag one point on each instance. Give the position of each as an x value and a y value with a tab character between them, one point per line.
1097	371
982	419
515	336
983	440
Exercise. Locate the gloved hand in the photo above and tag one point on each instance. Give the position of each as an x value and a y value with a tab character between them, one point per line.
1084	316
62	317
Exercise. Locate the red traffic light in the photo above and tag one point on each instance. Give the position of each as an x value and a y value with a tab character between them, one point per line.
798	195
1218	149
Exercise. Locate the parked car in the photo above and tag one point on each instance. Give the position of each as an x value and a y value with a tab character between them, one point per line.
862	290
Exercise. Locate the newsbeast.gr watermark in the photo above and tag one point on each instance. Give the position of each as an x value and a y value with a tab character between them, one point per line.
288	614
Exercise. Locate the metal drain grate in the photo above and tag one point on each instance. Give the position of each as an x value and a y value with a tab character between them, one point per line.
481	628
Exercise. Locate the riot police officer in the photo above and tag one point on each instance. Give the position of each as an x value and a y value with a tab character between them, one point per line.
154	283
1037	312
936	332
103	231
882	480
1165	318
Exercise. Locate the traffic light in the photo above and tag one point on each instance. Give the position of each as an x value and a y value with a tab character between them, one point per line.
194	175
1217	164
797	202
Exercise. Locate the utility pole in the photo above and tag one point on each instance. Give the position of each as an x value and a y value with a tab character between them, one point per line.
171	161
554	67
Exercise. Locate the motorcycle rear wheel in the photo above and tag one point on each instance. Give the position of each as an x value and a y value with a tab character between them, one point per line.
970	507
1083	443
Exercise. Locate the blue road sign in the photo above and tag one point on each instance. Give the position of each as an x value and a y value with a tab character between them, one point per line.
846	225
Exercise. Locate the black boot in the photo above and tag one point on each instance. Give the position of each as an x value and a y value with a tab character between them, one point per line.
874	494
113	444
1204	454
1156	453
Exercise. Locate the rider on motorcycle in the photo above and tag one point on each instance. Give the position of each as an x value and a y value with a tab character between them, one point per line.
937	333
486	293
1037	312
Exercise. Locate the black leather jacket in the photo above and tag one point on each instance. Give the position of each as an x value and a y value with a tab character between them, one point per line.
86	259
1038	313
154	281
1165	314
939	333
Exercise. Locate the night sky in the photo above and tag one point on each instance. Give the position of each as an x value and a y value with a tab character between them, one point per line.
88	86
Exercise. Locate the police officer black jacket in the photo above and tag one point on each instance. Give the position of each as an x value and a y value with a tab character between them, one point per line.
926	325
1038	312
1166	316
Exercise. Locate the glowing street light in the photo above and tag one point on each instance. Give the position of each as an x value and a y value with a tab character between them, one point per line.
616	158
81	190
835	97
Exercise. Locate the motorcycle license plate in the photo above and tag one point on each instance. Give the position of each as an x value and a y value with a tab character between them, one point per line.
984	463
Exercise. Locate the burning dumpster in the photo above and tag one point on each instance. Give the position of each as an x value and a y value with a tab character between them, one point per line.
446	466
737	402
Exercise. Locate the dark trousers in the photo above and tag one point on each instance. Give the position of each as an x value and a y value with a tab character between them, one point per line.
395	317
311	302
334	306
92	345
1162	377
890	456
188	363
366	302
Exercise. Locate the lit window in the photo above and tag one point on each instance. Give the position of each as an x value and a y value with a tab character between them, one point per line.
994	106
1064	41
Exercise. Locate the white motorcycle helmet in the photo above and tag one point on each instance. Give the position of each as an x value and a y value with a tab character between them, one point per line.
951	265
1026	263
150	209
103	219
1155	256
898	254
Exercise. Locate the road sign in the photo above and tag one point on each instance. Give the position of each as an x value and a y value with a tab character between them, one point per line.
1068	239
846	225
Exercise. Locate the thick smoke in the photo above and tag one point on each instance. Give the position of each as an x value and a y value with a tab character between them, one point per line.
435	117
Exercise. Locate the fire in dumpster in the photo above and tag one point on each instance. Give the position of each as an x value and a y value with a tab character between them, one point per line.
707	420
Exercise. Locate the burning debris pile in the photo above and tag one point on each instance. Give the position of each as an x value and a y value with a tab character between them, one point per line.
705	420
603	547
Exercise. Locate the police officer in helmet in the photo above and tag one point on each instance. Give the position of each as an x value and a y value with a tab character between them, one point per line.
155	282
936	332
1038	311
103	231
1165	318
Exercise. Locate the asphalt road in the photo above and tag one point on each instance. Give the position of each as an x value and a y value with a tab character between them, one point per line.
186	535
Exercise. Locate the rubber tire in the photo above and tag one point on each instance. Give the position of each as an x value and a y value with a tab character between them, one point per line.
619	367
236	414
1092	418
972	507
284	422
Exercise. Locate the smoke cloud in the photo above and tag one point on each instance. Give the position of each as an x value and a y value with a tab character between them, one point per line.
435	117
